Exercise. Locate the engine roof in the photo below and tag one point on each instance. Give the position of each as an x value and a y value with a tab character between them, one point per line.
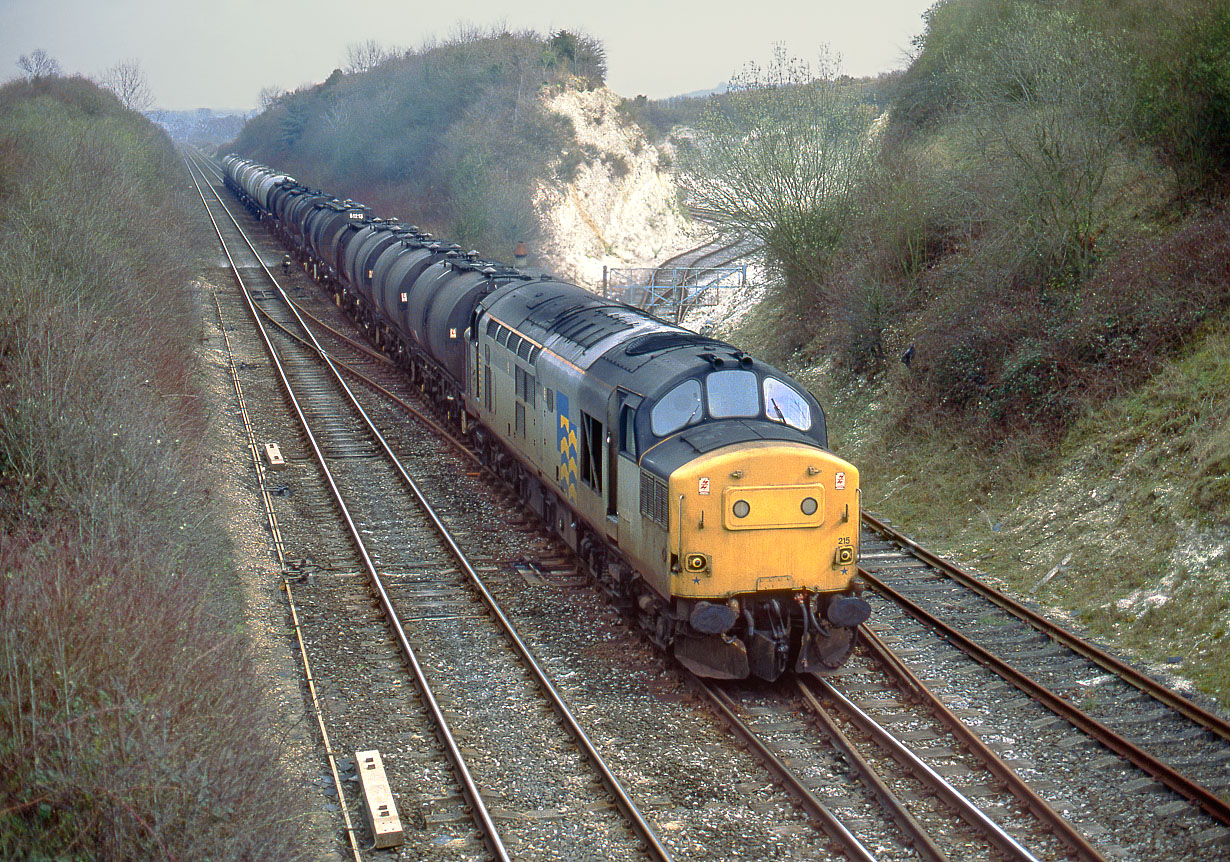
621	347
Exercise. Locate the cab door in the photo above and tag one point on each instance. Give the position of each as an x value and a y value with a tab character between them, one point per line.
623	474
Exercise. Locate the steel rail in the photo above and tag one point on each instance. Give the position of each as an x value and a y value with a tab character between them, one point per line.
826	819
1073	641
1198	794
469	787
1036	805
672	262
915	835
371	352
955	799
276	533
651	842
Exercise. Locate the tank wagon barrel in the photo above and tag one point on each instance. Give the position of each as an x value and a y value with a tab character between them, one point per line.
693	480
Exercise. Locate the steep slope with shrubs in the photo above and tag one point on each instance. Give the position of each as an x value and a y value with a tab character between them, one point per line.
1045	230
487	140
131	726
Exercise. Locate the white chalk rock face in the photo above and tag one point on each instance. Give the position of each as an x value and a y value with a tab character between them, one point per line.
620	209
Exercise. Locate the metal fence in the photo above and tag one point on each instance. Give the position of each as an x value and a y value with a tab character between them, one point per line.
670	292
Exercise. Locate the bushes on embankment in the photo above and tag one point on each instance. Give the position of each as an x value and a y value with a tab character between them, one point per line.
1045	221
130	723
453	136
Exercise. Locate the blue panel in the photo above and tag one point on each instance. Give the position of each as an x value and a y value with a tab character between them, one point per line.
569	453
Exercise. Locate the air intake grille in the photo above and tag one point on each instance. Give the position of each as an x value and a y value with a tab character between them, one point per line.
653	499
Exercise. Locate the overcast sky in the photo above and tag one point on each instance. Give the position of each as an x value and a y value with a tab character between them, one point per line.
221	53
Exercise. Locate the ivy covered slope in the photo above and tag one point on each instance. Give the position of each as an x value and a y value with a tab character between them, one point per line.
130	722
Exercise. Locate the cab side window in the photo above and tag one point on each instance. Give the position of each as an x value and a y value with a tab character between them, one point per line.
677	408
591	451
627	431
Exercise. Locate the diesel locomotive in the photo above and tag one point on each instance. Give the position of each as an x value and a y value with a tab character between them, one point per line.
692	479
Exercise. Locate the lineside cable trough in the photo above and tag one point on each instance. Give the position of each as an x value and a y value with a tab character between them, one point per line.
378	804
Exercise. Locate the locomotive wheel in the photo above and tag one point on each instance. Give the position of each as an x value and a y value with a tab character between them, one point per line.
664	630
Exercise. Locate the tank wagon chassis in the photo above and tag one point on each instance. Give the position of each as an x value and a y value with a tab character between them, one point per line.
692	481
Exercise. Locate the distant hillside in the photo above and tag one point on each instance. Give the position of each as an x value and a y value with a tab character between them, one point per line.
202	126
455	137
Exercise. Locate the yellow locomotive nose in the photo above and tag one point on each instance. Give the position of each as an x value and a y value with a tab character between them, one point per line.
763	517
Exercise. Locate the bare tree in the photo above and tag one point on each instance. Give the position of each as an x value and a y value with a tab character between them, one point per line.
269	96
127	80
363	56
38	64
780	157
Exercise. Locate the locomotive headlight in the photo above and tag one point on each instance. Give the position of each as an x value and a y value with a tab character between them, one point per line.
845	555
809	506
696	563
741	509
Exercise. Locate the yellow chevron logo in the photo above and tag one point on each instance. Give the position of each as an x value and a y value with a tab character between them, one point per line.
569	452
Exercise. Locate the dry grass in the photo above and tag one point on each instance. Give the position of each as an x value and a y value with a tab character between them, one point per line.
131	726
1163	454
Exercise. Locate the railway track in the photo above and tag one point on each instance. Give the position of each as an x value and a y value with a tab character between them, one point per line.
426	588
703	258
432	597
863	786
674	744
549	566
1152	762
